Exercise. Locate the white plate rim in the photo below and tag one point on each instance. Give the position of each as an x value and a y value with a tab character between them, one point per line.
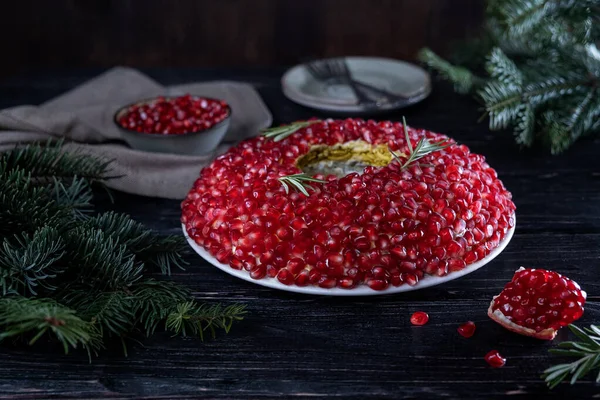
362	290
343	106
355	109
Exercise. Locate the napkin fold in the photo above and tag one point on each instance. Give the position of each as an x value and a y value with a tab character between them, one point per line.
84	118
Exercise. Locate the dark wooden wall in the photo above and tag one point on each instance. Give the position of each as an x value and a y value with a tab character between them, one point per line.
196	33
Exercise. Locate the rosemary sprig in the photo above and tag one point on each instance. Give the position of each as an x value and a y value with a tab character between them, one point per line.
279	133
587	350
298	181
421	149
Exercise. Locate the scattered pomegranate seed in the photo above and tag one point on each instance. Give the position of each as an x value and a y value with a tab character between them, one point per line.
384	227
467	329
175	115
537	303
419	318
494	359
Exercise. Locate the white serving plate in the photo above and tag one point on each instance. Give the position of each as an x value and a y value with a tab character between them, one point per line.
394	76
363	290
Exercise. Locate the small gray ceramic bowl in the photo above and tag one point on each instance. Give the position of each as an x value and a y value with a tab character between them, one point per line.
190	143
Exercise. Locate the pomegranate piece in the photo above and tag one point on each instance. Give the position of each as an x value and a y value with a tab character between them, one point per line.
419	318
379	226
537	303
494	359
174	115
467	329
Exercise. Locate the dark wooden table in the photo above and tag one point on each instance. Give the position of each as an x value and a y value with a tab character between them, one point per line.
306	346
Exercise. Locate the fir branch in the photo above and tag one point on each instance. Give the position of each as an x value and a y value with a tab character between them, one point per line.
521	17
502	103
98	261
90	271
299	182
503	69
587	351
542	67
281	132
20	316
52	161
148	247
76	195
464	80
154	301
193	319
112	313
24	206
525	126
28	261
566	127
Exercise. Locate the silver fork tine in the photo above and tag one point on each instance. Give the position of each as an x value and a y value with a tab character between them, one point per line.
343	67
337	65
315	68
327	66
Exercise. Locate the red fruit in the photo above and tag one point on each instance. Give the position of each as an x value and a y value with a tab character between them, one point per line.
495	359
380	227
537	303
467	329
176	115
419	318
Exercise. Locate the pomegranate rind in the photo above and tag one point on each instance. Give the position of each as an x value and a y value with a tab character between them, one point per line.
546	334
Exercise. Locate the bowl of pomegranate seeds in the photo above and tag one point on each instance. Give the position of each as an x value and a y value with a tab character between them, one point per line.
348	207
182	125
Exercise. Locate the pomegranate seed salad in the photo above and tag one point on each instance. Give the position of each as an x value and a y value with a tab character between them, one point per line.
347	203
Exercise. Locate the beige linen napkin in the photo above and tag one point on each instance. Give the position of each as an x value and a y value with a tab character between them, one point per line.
84	117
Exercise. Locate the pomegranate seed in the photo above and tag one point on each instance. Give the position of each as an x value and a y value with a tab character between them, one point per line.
175	116
467	329
537	303
494	359
377	284
284	276
258	272
419	318
384	226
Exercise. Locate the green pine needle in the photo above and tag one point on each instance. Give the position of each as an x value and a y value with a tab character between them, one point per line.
75	194
281	132
148	247
52	161
21	316
464	80
191	319
78	279
299	182
587	351
100	261
28	261
423	148
543	68
155	300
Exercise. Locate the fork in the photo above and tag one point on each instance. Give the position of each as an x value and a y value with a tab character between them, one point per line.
338	68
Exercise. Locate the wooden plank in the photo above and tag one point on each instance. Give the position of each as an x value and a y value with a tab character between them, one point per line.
356	348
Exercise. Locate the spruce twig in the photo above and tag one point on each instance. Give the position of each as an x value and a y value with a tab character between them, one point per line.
587	351
194	319
79	279
543	70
